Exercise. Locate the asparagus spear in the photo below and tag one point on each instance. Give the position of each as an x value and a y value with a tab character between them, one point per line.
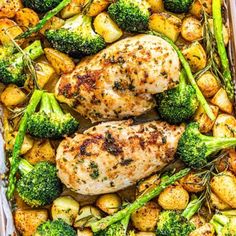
139	202
44	20
188	71
35	99
218	31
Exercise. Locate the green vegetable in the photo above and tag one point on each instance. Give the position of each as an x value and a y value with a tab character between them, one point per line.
179	104
39	184
12	67
55	228
50	121
218	31
195	148
139	202
76	37
224	225
171	223
41	6
45	19
130	15
177	6
35	99
190	76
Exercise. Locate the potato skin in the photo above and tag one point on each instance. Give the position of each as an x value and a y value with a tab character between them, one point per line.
191	29
27	221
84	232
197	220
217	203
205	230
8	8
174	197
109	203
145	219
224	186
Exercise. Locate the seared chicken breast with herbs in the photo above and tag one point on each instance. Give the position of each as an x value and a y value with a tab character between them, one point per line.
114	155
120	80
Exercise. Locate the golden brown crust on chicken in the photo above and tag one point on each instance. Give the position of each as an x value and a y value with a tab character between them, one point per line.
120	80
114	155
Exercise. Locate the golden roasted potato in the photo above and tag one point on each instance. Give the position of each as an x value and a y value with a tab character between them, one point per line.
9	29
225	126
191	29
156	5
195	55
145	234
8	8
73	8
222	101
26	18
205	230
199	5
107	28
66	208
208	84
232	160
44	72
53	23
174	197
205	123
217	203
42	150
27	221
224	186
87	214
61	62
145	218
153	180
193	183
197	220
96	7
84	232
12	96
109	203
166	24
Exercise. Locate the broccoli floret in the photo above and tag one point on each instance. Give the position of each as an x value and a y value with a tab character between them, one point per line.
195	148
178	104
51	121
12	67
55	228
171	223
177	6
224	225
39	184
76	37
41	6
130	15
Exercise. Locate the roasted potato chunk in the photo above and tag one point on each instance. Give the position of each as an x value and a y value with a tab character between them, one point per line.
217	203
145	219
27	221
96	7
166	24
53	23
73	8
156	5
205	230
8	8
199	5
84	232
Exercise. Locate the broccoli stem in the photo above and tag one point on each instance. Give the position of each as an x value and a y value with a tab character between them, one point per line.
182	81
192	208
188	71
139	202
55	106
44	20
218	222
25	167
218	31
45	105
35	99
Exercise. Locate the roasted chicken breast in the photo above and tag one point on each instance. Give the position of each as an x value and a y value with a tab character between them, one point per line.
114	155
120	80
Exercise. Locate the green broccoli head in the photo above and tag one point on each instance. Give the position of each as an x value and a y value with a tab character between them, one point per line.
50	121
173	224
55	228
77	37
39	184
177	6
116	229
12	67
178	104
195	148
130	15
41	6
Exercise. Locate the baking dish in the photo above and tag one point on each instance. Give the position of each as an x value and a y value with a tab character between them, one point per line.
6	220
